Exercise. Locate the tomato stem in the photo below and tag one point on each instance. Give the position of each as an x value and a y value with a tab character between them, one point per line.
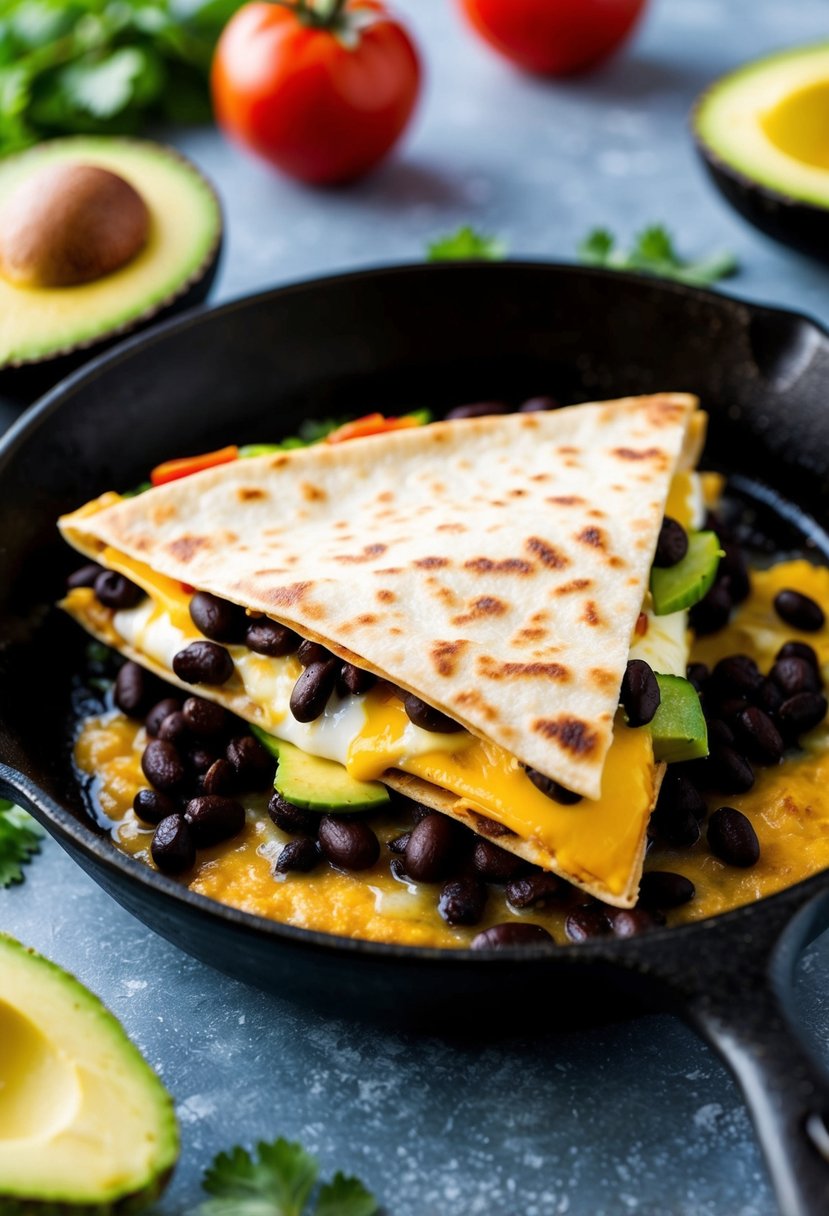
322	14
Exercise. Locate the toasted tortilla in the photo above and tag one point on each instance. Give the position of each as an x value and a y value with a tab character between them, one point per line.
495	567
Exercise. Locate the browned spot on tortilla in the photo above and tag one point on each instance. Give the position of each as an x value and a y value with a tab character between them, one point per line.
249	493
571	734
316	612
287	596
386	496
279	462
517	493
575	584
141	542
270	571
385	596
312	493
591	614
565	500
486	826
637	453
474	699
389	570
445	656
662	412
540	477
341	523
618	563
506	565
186	547
596	513
592	536
530	633
494	670
163	512
546	554
367	618
487	605
431	563
605	679
451	528
368	554
568	450
393	629
498	502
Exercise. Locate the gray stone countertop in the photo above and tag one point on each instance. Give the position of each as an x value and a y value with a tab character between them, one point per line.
631	1118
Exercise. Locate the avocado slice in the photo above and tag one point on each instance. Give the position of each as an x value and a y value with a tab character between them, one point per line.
172	267
676	587
319	785
678	727
85	1123
762	135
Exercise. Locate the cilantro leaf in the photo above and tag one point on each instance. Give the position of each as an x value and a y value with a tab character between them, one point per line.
279	1181
20	839
344	1196
653	252
466	244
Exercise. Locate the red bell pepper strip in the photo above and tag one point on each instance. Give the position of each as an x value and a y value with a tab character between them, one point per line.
371	424
172	470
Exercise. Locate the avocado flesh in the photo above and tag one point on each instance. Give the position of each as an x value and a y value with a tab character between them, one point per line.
769	121
85	1124
683	585
320	785
678	727
183	244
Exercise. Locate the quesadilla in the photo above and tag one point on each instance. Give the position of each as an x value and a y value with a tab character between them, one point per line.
495	569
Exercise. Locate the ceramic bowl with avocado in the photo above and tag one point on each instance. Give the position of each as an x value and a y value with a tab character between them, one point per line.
98	236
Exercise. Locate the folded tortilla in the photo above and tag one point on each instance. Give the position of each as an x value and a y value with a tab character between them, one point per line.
496	567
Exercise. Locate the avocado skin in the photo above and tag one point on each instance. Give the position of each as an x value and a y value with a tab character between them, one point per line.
122	1207
800	225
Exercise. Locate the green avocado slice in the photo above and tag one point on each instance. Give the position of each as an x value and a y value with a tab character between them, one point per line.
678	727
320	785
676	587
85	1123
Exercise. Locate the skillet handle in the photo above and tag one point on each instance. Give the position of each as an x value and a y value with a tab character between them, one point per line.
746	1014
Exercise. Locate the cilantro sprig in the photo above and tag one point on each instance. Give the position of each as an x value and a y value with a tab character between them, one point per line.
653	252
107	66
466	244
279	1180
20	839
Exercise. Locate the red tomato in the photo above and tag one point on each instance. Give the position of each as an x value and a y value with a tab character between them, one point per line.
554	37
322	99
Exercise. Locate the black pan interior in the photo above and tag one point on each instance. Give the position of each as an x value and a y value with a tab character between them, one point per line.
388	340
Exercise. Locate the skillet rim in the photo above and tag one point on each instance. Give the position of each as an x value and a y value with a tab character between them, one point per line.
123	868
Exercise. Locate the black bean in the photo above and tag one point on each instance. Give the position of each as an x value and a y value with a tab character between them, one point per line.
538	405
552	788
348	843
730	709
665	889
733	572
161	709
760	737
799	650
679	809
430	852
797	610
583	923
630	922
294	820
698	674
174	728
135	690
85	576
217	619
398	845
672	543
117	592
478	409
303	855
737	676
428	718
201	760
163	766
313	688
151	807
712	612
254	764
220	778
768	697
355	680
495	864
511	933
205	718
719	732
801	713
268	637
730	771
793	675
534	889
732	838
203	663
462	901
173	847
640	695
214	818
312	652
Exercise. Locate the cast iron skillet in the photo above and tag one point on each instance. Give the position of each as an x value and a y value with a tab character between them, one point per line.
391	340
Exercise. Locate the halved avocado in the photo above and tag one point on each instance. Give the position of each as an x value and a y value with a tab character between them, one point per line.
172	267
85	1124
763	134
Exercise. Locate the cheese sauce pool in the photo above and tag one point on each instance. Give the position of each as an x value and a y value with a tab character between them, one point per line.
788	807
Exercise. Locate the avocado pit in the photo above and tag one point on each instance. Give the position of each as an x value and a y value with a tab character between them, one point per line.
70	224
